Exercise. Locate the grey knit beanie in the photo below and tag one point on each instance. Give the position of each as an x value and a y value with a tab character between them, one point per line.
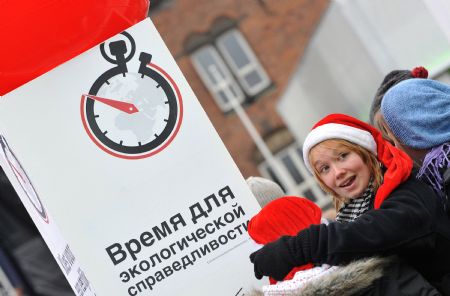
418	112
264	190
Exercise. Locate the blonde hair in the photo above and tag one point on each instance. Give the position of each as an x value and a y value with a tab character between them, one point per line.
383	127
368	158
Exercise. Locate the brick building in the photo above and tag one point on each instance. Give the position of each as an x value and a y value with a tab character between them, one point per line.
244	51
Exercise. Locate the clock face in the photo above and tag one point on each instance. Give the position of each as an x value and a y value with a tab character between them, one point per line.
23	179
133	115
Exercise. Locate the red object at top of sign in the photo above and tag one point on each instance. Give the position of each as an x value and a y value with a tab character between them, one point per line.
39	35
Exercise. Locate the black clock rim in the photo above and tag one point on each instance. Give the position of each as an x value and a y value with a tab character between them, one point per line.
147	147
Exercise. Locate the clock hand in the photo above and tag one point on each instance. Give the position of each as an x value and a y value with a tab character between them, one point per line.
119	105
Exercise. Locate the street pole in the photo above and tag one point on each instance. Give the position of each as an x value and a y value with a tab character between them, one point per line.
253	132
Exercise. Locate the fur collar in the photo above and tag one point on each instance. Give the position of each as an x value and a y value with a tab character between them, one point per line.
345	281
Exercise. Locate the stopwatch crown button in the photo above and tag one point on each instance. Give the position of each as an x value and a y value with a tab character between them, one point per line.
118	47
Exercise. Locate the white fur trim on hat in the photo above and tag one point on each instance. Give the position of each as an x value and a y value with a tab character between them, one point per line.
337	131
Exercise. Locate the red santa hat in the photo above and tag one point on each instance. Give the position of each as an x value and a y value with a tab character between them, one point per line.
284	216
339	126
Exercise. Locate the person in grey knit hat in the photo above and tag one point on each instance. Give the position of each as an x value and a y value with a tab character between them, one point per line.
417	116
264	190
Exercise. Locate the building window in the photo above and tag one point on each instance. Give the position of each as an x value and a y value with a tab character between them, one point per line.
217	77
230	69
243	62
293	176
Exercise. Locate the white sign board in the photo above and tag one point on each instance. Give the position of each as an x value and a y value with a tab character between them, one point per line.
125	177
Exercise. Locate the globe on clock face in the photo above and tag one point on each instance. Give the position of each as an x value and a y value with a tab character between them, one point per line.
133	115
23	179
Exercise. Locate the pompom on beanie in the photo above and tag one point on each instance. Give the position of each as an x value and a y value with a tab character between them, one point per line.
418	112
284	216
340	126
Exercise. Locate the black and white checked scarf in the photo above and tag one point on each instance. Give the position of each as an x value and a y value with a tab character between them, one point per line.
354	208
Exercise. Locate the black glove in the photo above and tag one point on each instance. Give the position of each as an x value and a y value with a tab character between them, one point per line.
274	259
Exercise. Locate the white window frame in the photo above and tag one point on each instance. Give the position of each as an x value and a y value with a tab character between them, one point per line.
223	84
287	180
253	65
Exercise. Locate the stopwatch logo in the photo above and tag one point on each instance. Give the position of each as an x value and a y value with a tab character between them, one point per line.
23	179
131	115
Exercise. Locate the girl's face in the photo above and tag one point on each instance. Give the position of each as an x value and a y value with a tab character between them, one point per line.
340	169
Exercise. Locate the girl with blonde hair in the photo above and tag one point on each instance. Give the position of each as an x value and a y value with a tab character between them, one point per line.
382	210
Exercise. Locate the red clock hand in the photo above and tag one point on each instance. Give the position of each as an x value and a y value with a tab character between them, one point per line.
119	105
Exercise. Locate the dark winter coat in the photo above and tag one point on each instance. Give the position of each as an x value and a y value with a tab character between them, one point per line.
410	223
